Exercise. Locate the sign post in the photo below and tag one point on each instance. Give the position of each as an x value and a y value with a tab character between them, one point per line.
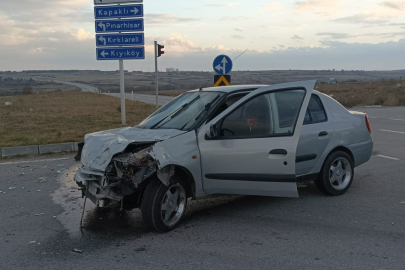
112	20
122	91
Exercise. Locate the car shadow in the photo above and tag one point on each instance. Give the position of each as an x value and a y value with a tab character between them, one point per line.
113	223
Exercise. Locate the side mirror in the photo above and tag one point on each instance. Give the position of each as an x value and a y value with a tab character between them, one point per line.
211	132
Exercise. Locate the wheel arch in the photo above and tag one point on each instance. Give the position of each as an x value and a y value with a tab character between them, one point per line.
188	178
343	149
339	148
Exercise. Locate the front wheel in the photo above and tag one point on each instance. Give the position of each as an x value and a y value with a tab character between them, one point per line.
337	173
164	206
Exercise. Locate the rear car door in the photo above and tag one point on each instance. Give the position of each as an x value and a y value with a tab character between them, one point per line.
255	150
315	136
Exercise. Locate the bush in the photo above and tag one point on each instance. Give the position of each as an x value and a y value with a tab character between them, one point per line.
27	91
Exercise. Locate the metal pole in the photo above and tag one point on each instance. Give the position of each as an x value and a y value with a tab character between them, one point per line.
122	90
156	75
132	95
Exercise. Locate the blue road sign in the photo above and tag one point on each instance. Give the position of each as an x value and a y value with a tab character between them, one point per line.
120	53
222	65
116	12
110	40
134	25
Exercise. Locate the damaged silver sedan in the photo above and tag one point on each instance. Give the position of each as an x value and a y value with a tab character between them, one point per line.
249	140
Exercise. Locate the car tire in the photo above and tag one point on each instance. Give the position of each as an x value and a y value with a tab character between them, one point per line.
164	206
336	175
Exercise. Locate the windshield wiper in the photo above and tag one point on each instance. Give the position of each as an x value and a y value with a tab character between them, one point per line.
203	110
175	113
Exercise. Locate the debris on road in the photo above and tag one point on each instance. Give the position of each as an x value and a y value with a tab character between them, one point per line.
40	214
8	103
33	242
77	250
59	172
10	188
41	180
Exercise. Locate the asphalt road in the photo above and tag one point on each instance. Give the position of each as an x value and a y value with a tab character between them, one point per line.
82	86
364	229
151	99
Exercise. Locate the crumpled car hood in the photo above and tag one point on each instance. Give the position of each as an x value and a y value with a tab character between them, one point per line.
100	147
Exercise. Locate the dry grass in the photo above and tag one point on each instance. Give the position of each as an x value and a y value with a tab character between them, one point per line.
390	93
362	94
62	117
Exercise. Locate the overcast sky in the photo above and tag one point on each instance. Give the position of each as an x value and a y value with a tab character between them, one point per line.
288	34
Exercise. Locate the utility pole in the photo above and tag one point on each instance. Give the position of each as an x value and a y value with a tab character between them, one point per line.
158	53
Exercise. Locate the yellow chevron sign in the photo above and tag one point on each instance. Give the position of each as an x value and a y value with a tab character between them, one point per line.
222	80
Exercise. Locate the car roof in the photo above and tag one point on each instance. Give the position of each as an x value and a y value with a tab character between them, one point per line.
230	89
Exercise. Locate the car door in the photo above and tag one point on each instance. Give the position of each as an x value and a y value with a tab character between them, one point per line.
252	153
315	136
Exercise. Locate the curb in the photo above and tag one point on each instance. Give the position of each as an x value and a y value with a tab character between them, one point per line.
38	149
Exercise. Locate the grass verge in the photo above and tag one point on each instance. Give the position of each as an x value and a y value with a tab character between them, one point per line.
62	117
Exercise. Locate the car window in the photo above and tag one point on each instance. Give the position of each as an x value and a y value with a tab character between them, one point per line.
270	114
316	112
228	103
288	106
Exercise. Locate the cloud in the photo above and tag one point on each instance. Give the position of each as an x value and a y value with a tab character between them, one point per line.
239	29
271	6
334	35
296	37
223	5
237	37
362	19
347	35
234	18
166	18
81	34
392	4
312	5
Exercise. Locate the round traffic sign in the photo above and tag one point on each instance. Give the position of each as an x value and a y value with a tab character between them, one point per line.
222	65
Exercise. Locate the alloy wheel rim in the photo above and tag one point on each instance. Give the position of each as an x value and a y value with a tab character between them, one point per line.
173	205
340	173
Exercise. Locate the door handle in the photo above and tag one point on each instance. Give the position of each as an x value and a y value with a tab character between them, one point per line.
278	152
323	134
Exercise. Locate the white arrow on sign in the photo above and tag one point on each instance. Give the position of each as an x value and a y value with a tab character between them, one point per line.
223	67
103	54
135	11
102	39
102	25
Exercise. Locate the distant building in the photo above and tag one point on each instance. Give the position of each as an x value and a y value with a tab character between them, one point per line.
332	81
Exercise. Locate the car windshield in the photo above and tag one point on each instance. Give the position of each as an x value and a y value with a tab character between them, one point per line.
182	112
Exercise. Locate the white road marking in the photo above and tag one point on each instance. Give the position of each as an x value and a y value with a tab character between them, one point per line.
392	131
387	157
396	119
32	161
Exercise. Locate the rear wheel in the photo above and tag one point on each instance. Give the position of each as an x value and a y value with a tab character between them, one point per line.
164	206
337	173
